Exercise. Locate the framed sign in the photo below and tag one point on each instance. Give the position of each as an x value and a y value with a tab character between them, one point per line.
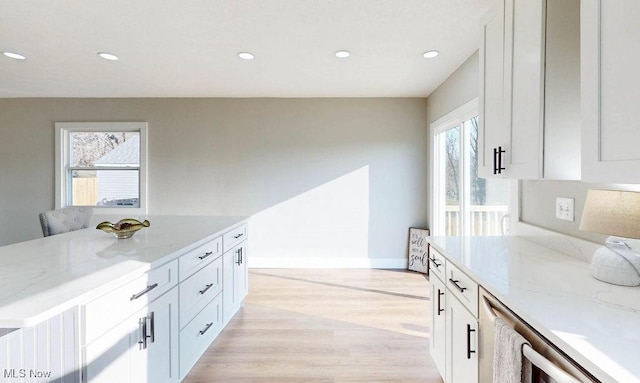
418	259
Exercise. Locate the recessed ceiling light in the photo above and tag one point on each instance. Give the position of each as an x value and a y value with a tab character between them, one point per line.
430	54
108	56
343	54
13	55
246	56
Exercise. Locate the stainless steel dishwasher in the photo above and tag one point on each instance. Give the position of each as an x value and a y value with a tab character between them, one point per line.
549	364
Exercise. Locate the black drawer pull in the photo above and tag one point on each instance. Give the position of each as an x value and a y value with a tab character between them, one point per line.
208	253
207	287
143	292
435	263
455	283
469	350
206	328
440	293
237	236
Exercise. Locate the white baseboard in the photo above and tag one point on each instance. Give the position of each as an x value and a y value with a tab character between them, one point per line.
327	263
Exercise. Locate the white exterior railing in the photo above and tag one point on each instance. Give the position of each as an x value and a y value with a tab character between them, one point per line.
485	219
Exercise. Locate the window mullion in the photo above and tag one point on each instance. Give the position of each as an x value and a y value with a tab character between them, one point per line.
465	178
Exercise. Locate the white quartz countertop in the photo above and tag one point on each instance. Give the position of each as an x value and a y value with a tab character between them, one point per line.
595	323
44	277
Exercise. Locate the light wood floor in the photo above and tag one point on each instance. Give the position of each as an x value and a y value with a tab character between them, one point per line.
355	325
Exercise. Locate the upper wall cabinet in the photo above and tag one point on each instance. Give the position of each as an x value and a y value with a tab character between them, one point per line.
492	129
610	36
530	90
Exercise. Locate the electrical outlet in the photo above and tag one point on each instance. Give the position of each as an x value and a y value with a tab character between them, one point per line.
564	208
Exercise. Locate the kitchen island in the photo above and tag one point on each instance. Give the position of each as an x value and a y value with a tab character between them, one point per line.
75	305
594	323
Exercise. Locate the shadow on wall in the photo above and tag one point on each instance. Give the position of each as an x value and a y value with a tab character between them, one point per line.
327	226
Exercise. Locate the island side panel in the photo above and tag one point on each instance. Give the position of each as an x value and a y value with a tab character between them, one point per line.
47	352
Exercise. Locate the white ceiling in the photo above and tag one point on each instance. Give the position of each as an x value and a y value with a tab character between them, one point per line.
188	48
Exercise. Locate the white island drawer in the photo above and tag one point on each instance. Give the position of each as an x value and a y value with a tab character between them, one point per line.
463	287
196	337
198	257
105	312
437	264
199	290
233	237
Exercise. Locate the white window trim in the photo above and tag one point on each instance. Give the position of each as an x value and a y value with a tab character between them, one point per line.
62	159
452	119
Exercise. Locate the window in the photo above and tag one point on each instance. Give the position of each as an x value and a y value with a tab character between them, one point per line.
101	164
463	203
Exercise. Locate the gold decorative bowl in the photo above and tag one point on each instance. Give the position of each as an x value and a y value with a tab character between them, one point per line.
124	228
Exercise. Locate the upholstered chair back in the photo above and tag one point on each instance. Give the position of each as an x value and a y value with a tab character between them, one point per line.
65	220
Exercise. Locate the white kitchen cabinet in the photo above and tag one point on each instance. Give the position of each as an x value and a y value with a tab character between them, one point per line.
143	348
462	339
529	114
454	324
438	325
524	49
235	279
493	133
610	46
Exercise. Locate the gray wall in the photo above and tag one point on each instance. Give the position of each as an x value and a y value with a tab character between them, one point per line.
360	165
538	203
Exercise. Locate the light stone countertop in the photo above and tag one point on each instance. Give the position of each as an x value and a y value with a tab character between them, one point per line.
597	324
44	277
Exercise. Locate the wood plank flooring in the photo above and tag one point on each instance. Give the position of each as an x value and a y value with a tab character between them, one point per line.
299	325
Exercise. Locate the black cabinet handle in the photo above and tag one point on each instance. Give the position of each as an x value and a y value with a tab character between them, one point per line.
207	287
435	263
497	160
208	253
143	292
206	328
469	350
455	283
237	236
440	293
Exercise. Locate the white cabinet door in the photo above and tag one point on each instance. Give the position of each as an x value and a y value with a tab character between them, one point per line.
438	325
462	336
524	87
243	274
121	355
610	52
492	129
235	280
107	359
158	362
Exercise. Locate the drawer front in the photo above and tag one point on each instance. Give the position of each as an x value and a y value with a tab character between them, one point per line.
463	287
105	312
233	237
437	264
198	257
199	290
196	337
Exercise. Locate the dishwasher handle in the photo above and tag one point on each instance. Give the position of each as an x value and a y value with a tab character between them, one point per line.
532	355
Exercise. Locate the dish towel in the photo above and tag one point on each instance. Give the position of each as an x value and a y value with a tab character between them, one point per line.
509	366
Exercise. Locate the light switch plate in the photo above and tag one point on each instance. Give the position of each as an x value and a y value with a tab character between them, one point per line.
564	209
